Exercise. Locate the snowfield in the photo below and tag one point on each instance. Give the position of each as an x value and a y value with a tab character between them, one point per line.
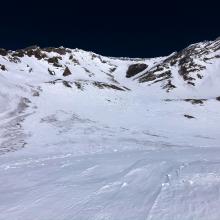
79	140
154	184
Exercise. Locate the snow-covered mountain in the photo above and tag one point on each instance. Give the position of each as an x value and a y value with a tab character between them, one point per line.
84	136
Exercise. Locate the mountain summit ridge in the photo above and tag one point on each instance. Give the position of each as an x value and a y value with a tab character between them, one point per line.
193	66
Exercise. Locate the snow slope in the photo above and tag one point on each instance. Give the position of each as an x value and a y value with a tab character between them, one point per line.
82	139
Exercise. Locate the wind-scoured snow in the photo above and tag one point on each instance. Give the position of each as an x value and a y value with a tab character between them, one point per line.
95	144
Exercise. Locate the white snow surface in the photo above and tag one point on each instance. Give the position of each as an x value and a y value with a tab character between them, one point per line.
70	153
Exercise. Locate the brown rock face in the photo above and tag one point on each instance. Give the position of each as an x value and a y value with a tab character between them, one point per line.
67	72
3	52
135	69
60	50
55	61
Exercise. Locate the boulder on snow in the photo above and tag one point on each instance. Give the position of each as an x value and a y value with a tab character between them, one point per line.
2	67
218	98
196	101
51	72
189	116
67	72
135	69
67	84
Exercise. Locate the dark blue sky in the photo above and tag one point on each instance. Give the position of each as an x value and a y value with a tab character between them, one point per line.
133	30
